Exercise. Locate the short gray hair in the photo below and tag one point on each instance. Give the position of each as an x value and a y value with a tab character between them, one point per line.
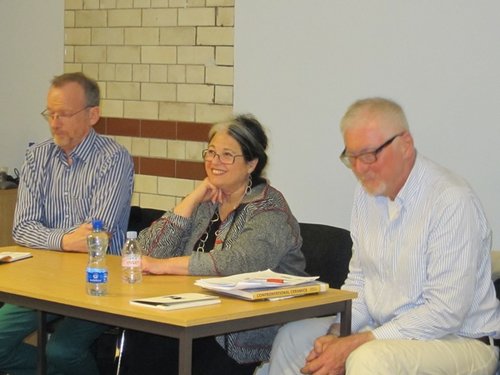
375	105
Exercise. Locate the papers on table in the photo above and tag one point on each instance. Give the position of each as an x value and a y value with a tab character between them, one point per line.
252	280
177	301
274	294
12	256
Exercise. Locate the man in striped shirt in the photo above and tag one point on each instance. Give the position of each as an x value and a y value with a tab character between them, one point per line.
66	181
421	266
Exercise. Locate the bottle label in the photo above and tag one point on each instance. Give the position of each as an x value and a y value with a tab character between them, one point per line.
131	261
97	275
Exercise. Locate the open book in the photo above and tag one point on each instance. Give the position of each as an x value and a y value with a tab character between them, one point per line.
249	280
12	256
263	285
177	301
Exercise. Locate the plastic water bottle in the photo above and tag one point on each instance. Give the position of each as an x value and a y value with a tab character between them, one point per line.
97	271
131	259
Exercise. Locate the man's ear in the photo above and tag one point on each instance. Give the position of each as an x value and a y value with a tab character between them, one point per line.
407	139
94	115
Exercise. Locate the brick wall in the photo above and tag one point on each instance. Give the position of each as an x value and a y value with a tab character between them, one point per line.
165	68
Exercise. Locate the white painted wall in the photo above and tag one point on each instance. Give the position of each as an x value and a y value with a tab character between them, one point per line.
32	45
300	63
297	68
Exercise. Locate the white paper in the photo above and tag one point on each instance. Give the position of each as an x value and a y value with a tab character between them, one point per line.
250	280
177	301
12	256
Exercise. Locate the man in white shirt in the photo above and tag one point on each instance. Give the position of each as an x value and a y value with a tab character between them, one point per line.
420	265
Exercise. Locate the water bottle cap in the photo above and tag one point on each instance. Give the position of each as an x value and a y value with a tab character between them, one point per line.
96	224
132	235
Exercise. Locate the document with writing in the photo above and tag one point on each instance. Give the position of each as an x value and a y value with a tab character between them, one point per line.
12	256
177	301
262	285
251	280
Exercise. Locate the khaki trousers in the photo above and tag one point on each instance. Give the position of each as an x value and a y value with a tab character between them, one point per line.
451	355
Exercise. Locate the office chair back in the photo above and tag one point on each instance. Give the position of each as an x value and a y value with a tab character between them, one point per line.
327	250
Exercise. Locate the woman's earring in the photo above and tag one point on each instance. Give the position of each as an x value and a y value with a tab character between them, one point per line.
249	185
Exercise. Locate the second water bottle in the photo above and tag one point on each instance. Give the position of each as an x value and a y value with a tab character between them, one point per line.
131	259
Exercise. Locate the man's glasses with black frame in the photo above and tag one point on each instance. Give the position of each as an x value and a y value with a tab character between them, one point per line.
368	157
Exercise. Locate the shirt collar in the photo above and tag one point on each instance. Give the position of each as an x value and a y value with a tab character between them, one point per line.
407	192
84	149
413	181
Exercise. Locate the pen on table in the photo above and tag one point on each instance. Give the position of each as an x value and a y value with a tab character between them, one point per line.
156	303
275	280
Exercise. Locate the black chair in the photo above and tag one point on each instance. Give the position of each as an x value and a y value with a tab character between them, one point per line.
141	218
327	250
497	289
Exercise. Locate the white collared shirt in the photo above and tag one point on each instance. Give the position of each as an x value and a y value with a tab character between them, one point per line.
421	264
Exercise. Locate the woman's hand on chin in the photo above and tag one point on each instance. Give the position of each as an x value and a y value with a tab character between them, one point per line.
207	191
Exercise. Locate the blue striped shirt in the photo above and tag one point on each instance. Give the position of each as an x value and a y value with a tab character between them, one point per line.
55	197
421	264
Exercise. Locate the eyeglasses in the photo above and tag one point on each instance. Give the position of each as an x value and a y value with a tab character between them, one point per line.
52	116
368	157
224	157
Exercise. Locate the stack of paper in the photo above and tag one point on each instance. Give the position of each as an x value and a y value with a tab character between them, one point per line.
263	285
260	279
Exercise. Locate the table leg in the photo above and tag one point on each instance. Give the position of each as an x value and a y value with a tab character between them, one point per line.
185	354
41	343
345	319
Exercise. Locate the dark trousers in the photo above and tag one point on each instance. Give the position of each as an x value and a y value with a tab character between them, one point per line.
68	350
151	354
